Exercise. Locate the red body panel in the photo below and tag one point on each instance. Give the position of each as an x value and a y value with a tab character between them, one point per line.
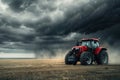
97	50
82	49
88	39
85	48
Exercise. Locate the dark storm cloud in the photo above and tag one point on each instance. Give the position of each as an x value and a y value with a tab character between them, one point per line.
90	19
18	5
51	25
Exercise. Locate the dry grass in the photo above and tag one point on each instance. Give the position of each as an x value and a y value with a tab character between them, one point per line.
55	69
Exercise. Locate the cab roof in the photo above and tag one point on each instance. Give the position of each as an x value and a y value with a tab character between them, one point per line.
89	39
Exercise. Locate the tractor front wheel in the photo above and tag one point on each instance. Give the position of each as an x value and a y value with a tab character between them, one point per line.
86	58
69	58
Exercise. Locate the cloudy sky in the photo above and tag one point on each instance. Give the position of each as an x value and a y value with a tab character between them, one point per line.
51	27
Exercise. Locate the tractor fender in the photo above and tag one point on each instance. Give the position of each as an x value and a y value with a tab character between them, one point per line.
99	49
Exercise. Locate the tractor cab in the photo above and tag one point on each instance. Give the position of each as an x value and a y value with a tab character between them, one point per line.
90	43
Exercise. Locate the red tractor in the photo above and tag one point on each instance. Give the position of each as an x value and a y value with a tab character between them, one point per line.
87	51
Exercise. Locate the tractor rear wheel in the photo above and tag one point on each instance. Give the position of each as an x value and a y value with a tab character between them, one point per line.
69	58
102	57
86	58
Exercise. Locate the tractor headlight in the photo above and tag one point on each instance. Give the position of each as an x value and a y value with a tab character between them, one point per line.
76	50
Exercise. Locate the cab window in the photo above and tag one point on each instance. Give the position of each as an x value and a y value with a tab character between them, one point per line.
86	43
94	44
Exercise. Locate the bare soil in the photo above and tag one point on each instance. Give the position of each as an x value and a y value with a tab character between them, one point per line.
55	69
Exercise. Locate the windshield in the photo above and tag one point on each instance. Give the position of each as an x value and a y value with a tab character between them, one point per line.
86	43
90	44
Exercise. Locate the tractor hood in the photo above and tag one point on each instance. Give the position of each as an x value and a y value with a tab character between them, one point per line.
82	48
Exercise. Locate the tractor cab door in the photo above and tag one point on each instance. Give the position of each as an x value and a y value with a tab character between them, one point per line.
94	44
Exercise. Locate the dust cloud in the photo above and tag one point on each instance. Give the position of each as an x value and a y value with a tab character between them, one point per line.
113	53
